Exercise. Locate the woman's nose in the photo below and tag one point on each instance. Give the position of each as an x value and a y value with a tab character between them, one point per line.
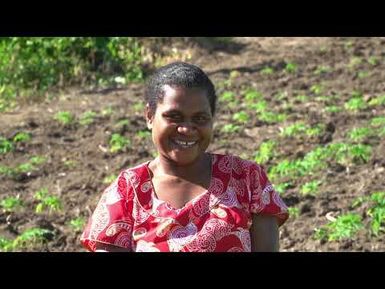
186	128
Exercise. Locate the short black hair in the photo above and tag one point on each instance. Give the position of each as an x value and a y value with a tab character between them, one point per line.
180	74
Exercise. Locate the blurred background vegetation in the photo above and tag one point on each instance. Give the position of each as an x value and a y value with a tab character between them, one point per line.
31	66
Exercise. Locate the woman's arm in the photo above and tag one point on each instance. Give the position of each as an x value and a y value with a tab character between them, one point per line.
264	234
101	247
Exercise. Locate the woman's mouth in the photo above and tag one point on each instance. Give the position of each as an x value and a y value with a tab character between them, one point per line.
184	144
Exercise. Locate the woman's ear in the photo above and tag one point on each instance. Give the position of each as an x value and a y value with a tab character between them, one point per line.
149	116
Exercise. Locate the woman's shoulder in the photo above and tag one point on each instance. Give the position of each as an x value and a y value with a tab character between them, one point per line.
136	174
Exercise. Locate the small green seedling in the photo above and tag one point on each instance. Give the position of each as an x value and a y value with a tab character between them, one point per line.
51	202
310	188
64	117
5	146
21	137
266	152
230	128
241	117
109	179
344	227
118	143
11	204
87	118
77	224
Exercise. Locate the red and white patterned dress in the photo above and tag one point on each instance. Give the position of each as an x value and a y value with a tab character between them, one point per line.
129	215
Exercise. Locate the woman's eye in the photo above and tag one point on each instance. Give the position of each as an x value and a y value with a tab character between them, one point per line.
201	119
173	117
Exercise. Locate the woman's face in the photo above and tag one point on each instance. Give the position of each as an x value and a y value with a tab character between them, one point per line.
182	125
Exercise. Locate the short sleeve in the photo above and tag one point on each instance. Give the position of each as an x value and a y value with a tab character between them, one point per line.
264	200
111	222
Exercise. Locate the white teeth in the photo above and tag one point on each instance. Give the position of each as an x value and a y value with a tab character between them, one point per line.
184	143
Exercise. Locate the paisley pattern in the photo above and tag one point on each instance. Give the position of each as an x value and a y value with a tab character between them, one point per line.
129	216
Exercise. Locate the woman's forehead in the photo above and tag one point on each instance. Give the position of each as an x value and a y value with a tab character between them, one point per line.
178	97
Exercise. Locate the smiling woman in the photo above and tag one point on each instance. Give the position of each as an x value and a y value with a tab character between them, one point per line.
186	199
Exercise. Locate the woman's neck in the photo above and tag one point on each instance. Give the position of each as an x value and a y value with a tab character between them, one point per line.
162	167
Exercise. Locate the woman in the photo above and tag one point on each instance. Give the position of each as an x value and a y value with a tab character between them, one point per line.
186	199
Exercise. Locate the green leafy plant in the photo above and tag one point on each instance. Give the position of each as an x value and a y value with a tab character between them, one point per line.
294	129
51	202
5	146
77	224
266	152
377	101
354	62
241	117
359	134
11	204
363	74
373	60
70	164
143	134
87	118
316	89
293	212
377	121
31	237
310	188
322	69
377	213
333	109
251	95
281	188
271	117
267	70
355	104
291	67
227	96
21	137
107	111
230	128
118	143
344	227
109	179
138	107
6	245
64	117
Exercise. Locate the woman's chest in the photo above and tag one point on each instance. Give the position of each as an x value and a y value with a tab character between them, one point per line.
177	194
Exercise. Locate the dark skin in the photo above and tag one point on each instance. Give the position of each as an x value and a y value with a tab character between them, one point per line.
182	116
